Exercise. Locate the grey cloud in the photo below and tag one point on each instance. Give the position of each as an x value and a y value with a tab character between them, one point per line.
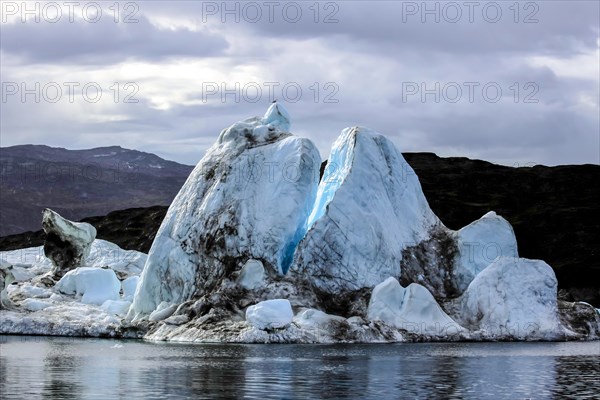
562	27
556	130
104	42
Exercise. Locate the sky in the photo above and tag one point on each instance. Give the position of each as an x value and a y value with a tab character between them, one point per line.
515	83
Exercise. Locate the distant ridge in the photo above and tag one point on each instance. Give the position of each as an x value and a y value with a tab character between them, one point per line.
80	183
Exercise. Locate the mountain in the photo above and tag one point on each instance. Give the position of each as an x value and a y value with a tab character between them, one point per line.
80	183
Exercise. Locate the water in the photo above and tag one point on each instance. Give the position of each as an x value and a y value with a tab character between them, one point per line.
45	367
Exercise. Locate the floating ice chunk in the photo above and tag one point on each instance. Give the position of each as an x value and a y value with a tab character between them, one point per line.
96	285
270	314
412	308
35	304
278	116
480	243
252	275
116	307
513	298
129	286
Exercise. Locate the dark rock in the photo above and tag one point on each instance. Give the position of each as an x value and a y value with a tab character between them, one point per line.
580	317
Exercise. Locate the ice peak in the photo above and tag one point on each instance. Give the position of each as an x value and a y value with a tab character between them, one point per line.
277	116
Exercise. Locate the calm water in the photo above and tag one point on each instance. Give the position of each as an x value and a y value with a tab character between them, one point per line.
45	367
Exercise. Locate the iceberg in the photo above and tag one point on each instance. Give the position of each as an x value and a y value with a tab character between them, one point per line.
248	198
95	285
412	308
256	248
513	298
355	241
67	243
86	301
369	209
270	314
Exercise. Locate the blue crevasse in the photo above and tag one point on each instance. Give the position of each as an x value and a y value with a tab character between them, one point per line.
338	167
290	248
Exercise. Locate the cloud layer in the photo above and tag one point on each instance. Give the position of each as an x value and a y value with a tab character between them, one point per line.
513	84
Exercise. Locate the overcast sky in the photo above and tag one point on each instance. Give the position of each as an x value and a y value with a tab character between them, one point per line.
514	84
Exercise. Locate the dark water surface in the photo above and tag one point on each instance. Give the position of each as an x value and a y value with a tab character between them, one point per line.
46	367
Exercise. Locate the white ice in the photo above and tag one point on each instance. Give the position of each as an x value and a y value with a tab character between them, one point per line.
116	307
248	197
81	233
95	285
513	298
277	116
270	314
369	208
412	308
480	243
129	286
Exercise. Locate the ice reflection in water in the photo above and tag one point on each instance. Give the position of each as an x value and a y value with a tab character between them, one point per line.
86	368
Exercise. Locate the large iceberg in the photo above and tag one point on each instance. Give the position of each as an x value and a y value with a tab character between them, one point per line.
256	248
369	209
371	221
248	198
